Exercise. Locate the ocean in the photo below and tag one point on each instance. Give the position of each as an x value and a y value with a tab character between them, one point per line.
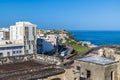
97	37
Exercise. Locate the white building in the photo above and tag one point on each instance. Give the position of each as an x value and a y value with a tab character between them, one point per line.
4	34
24	33
9	49
20	39
52	38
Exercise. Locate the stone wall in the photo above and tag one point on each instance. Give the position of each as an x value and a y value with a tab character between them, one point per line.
109	51
37	58
49	59
111	68
95	50
56	77
16	59
28	57
97	72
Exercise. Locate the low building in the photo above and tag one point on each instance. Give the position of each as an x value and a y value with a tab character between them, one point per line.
96	68
4	34
107	51
9	49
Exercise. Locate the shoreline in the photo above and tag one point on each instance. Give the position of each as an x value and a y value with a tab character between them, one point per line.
91	45
97	37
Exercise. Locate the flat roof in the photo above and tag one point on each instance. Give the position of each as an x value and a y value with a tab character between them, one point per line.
28	70
97	60
13	67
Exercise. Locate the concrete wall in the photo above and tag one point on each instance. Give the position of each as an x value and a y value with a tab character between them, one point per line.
98	72
109	69
55	77
15	59
49	59
27	57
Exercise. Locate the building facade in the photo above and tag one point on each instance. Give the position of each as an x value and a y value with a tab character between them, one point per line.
4	34
47	44
96	68
20	39
11	50
24	33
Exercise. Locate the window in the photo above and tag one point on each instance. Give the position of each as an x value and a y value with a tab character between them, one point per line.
1	54
88	74
29	42
75	78
27	51
13	52
20	51
112	75
33	30
17	51
8	53
29	46
78	67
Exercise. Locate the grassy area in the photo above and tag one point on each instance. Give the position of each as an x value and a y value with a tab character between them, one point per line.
72	43
80	49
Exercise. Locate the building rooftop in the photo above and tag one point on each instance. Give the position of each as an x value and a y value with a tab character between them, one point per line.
10	45
28	70
4	29
24	23
97	60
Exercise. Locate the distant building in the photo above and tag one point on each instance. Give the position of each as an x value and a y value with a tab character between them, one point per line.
86	43
38	31
63	37
48	43
24	33
52	38
4	34
46	46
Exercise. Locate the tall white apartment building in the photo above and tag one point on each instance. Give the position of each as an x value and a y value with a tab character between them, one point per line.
24	33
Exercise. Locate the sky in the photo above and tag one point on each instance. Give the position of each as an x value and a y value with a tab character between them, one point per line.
62	14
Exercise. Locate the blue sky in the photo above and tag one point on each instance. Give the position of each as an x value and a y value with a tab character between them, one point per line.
62	14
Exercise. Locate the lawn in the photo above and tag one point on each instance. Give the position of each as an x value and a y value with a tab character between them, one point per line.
80	49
